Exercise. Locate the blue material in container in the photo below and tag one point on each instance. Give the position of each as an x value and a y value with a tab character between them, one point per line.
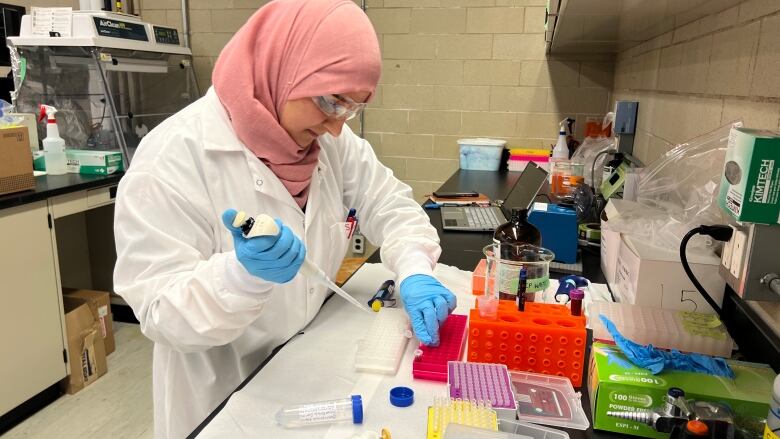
481	154
558	226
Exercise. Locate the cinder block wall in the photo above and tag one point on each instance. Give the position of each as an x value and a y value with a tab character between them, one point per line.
452	69
471	68
707	73
43	3
212	24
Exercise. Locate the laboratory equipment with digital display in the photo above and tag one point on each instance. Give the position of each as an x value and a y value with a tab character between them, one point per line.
112	77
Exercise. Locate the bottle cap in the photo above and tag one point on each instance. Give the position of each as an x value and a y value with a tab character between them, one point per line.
576	294
697	428
357	409
401	396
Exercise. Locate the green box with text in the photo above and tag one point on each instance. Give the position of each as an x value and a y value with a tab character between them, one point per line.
615	387
86	161
750	184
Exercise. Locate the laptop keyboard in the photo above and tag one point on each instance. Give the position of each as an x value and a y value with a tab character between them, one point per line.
481	217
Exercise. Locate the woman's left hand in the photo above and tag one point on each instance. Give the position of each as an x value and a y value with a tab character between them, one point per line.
428	304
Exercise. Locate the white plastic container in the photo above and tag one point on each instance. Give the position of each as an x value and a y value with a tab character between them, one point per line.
481	154
663	328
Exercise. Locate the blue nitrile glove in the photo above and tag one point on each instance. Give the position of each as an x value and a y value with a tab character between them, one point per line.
428	304
272	258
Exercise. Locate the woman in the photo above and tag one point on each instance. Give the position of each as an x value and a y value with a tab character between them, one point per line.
268	137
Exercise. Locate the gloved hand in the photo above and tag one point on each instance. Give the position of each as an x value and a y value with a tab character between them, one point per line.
428	304
273	258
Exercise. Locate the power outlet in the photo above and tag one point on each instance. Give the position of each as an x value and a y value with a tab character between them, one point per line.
358	244
738	253
728	248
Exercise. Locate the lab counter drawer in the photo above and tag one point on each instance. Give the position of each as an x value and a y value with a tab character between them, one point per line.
80	201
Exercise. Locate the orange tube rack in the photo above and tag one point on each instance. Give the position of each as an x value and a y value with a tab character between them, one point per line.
545	338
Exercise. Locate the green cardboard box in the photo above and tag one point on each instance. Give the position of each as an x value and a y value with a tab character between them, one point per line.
750	184
613	387
85	161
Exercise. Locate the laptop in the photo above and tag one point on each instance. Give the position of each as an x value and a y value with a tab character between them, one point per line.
487	218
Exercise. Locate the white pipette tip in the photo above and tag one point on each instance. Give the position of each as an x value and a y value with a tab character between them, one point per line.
313	272
264	225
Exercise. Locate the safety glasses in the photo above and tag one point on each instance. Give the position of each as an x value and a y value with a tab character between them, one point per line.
338	107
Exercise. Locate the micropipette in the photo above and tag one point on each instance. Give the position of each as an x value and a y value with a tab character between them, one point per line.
264	225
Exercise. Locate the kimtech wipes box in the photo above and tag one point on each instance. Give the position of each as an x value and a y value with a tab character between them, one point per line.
750	184
85	161
615	385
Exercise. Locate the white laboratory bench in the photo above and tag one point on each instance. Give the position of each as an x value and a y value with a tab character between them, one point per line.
318	365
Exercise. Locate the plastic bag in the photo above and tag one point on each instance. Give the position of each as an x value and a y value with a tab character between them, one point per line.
678	192
588	152
685	182
7	119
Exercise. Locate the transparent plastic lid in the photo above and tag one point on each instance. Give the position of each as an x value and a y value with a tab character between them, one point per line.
507	430
482	142
548	400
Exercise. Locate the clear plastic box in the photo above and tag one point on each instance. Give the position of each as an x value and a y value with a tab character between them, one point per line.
481	154
548	400
507	430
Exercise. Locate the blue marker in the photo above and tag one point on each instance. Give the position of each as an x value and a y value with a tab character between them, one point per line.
522	285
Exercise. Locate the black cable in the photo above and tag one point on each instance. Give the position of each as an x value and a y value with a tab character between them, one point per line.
717	232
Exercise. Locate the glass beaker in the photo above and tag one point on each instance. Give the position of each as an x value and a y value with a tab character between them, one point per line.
504	262
565	177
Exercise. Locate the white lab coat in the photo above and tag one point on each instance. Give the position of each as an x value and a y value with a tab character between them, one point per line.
212	322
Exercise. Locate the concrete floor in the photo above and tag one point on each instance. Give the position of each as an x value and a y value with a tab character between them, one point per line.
116	406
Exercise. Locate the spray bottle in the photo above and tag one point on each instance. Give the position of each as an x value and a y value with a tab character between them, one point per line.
560	152
264	225
53	145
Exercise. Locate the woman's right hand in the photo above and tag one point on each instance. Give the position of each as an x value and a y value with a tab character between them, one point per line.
275	258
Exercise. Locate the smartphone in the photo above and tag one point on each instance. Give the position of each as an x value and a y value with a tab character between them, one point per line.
455	194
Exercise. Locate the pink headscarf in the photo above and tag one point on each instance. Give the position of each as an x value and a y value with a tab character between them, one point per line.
291	49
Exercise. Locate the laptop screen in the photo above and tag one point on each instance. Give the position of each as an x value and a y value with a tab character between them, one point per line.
527	187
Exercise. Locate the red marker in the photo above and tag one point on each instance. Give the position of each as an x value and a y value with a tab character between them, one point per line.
352	223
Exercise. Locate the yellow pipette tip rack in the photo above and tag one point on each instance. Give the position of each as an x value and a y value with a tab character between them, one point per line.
471	413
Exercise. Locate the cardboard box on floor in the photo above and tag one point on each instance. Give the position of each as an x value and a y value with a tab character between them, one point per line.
100	305
16	171
86	352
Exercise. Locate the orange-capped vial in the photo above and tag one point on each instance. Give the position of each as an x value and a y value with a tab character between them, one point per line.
697	429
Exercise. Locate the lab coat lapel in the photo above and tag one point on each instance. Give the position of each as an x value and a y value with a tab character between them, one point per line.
315	192
266	182
219	137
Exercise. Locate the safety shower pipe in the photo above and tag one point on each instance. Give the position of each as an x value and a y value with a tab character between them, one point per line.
185	22
363	113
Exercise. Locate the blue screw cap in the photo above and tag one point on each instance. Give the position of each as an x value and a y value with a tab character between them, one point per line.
401	396
357	409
